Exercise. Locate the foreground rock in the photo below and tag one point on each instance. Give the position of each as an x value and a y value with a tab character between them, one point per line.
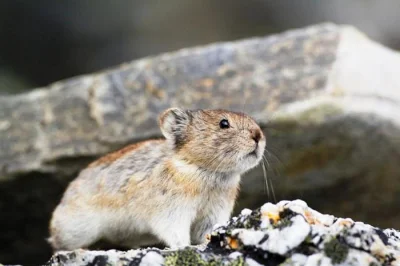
327	97
288	233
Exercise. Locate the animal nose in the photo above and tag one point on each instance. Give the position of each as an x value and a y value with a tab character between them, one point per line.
255	134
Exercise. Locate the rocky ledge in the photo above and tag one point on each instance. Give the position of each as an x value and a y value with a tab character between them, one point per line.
286	233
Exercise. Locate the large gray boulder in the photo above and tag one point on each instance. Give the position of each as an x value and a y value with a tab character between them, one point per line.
327	97
90	115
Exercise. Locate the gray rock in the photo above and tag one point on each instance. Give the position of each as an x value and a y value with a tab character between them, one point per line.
288	233
93	114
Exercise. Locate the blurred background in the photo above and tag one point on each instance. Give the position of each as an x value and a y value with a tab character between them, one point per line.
45	41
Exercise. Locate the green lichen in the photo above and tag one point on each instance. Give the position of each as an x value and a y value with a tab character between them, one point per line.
308	239
189	257
238	262
253	221
285	221
184	257
336	251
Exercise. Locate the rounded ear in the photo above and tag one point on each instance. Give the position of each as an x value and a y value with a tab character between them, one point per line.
173	123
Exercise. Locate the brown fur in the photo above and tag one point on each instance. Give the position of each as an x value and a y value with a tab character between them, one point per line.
111	157
174	189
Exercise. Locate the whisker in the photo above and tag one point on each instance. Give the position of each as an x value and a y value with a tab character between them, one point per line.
272	190
270	151
270	180
266	160
265	179
276	169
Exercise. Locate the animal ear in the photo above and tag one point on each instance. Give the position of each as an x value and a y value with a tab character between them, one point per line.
173	124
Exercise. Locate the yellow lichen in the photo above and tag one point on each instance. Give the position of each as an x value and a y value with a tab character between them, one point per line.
233	243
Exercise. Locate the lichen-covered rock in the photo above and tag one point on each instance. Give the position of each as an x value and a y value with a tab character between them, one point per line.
147	257
299	235
289	234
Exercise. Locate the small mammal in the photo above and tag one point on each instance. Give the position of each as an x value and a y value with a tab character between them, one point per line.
170	191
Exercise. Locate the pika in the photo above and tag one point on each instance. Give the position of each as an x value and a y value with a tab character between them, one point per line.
170	191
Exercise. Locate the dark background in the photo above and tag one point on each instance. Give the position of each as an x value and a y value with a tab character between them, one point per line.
43	41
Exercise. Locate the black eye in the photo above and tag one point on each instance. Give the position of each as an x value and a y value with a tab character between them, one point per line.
224	123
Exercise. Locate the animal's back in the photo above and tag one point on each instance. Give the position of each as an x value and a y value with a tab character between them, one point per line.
109	174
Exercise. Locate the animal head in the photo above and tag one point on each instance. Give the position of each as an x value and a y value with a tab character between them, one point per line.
216	140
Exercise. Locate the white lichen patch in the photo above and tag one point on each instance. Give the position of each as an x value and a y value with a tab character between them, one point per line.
152	258
279	240
235	255
282	240
251	262
249	237
246	212
393	238
269	213
292	233
301	207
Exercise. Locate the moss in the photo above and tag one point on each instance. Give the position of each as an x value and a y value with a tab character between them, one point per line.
336	251
253	221
308	239
238	262
284	223
189	257
184	257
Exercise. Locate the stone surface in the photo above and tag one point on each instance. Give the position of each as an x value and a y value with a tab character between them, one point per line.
288	233
90	115
326	96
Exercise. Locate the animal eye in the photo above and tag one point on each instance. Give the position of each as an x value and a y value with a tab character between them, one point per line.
224	123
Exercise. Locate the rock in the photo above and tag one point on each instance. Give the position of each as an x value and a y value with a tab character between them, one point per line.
326	96
51	129
288	233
